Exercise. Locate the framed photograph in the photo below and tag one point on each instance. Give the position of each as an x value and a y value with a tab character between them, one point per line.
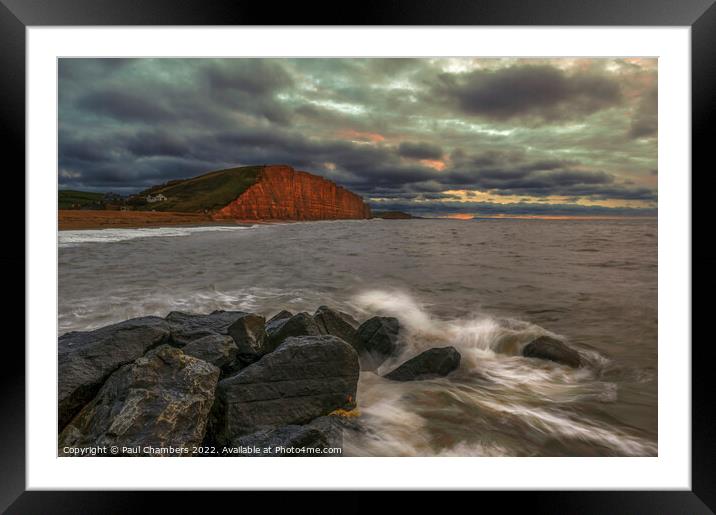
422	249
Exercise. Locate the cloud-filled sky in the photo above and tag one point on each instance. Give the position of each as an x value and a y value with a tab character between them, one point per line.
447	136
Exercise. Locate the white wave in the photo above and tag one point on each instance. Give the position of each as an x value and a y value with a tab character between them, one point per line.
489	346
394	429
534	391
551	423
479	332
71	238
483	449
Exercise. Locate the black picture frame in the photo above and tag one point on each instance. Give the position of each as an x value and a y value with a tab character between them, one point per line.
17	15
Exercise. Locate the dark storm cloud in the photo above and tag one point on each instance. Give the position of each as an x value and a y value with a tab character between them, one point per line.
542	92
420	150
124	106
86	150
157	143
252	76
371	125
511	174
250	85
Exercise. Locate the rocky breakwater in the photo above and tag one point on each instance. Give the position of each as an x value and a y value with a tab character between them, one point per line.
231	383
282	193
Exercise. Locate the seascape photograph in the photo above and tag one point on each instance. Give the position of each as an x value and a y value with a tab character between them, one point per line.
357	257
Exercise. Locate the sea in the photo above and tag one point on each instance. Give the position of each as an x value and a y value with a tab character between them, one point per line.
486	287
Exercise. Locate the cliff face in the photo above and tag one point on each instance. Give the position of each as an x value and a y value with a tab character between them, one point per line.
282	193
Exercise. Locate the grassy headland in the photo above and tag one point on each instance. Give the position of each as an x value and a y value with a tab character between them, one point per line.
204	193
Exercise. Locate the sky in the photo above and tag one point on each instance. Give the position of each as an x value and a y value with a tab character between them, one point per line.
454	137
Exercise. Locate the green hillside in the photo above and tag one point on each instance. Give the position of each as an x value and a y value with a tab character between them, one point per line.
71	199
210	191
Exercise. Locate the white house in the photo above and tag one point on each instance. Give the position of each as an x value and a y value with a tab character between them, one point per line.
155	198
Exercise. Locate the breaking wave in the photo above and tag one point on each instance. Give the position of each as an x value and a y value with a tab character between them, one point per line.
515	403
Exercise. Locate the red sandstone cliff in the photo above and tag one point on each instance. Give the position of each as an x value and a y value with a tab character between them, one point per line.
282	193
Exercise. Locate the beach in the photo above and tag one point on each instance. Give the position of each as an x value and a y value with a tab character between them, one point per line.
71	219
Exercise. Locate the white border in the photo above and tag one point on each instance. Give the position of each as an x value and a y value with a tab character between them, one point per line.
671	470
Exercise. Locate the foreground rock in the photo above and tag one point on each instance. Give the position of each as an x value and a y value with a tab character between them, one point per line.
249	333
187	327
432	363
86	359
218	349
281	315
377	340
286	441
304	378
338	324
276	321
546	347
161	400
301	324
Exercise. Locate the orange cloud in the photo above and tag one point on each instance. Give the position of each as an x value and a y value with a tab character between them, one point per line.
351	134
563	217
434	163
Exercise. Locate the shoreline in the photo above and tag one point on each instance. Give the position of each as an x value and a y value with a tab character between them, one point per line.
69	220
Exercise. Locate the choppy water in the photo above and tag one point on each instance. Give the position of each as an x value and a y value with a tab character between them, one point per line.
485	287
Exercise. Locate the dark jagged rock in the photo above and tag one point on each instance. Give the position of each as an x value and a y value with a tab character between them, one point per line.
304	378
333	426
437	362
377	340
86	359
281	315
218	349
162	400
338	324
301	324
186	327
283	440
249	333
320	433
546	347
275	323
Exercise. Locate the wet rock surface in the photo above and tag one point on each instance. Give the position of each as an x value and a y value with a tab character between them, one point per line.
546	347
301	324
249	334
304	378
337	323
160	400
291	440
377	340
86	359
218	349
186	327
437	362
